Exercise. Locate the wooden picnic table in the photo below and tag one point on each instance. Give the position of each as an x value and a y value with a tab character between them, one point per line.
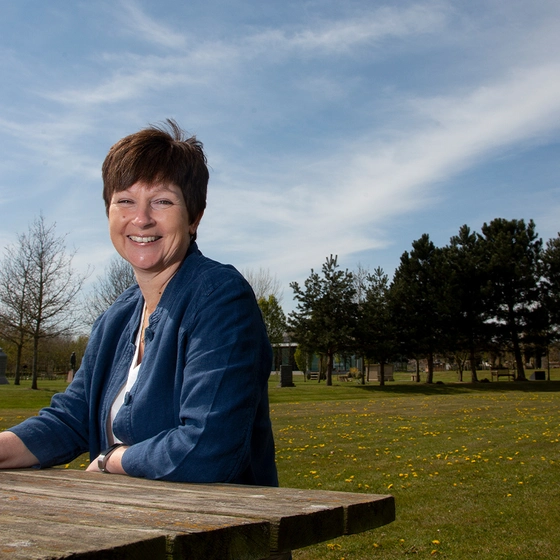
60	513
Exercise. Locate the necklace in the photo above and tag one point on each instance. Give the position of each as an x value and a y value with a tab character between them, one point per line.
145	319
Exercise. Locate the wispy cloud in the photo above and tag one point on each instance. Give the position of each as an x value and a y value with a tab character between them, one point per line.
374	27
371	183
145	28
324	129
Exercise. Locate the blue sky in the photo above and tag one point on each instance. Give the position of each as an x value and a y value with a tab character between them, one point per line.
331	127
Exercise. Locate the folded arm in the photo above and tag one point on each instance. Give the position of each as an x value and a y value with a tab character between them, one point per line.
14	453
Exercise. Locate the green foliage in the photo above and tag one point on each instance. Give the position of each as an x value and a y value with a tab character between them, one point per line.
325	318
418	293
469	284
377	330
551	281
54	355
512	251
302	359
492	292
273	317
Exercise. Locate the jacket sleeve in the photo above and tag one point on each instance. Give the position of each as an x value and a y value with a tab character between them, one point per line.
60	432
223	395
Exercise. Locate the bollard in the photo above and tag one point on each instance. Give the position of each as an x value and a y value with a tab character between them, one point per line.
286	376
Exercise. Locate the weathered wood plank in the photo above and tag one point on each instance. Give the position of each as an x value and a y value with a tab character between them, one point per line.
221	498
194	535
297	518
34	539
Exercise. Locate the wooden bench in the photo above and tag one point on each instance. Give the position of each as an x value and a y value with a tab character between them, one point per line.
58	513
497	373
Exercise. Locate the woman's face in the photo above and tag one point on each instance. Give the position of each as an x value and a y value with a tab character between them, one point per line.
149	226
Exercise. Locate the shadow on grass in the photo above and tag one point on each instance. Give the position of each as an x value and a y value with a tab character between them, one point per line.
440	388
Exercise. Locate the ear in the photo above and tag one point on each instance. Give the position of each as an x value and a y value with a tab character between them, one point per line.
193	226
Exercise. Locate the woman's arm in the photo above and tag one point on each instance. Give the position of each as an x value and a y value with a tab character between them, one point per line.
113	464
13	452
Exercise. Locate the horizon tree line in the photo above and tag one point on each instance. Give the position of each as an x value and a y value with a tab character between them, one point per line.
491	291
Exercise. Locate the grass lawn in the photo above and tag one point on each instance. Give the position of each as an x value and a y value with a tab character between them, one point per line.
473	468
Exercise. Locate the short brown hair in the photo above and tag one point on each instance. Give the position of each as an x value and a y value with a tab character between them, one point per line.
158	154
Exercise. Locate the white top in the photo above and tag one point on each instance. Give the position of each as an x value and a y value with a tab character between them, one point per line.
130	381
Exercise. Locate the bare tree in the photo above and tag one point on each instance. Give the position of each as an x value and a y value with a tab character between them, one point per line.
14	291
48	299
117	278
361	278
263	283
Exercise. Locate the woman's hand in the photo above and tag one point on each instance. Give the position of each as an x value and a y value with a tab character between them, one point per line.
113	465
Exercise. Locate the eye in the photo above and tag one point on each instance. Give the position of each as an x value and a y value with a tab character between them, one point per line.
161	203
124	201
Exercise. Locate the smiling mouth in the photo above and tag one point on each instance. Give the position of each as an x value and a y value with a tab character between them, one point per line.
138	239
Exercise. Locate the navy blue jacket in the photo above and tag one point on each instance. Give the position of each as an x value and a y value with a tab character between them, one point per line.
199	409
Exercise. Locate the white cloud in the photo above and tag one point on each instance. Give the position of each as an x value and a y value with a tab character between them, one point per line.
345	203
329	36
145	28
324	132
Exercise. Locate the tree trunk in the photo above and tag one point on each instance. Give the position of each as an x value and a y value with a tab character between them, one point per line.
474	378
518	357
35	363
330	361
382	373
18	364
460	365
430	374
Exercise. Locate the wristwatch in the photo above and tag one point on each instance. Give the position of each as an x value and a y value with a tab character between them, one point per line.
104	457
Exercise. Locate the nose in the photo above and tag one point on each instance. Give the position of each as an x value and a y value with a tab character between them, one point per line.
143	217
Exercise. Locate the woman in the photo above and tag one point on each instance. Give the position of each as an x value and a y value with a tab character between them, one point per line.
173	383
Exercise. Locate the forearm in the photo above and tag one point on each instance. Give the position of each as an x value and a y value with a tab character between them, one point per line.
113	464
14	453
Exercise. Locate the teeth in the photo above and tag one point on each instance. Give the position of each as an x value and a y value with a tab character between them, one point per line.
142	239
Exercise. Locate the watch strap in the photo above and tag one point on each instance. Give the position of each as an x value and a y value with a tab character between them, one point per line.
104	457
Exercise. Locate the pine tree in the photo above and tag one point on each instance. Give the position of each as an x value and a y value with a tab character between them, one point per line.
325	318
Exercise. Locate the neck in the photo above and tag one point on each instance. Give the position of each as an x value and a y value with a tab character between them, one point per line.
152	286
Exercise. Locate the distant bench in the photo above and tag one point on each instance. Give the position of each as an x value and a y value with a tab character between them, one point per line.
497	373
